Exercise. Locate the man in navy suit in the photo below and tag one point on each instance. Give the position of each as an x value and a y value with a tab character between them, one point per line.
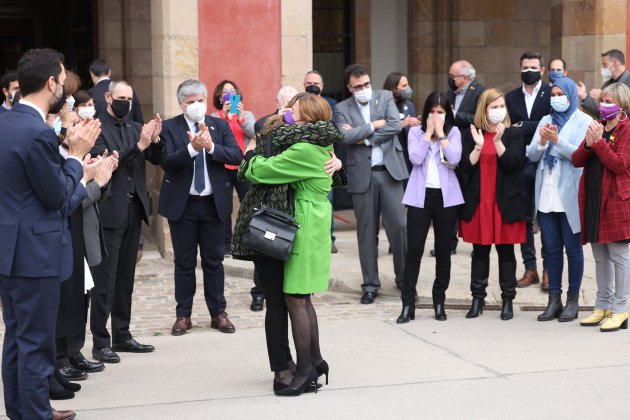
36	185
195	198
527	105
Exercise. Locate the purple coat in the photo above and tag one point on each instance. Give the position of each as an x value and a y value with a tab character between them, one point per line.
419	150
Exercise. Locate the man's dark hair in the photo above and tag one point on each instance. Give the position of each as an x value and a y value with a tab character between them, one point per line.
354	70
532	55
99	68
35	68
615	54
564	63
7	78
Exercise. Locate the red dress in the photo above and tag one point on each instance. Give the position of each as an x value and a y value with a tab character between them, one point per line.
487	226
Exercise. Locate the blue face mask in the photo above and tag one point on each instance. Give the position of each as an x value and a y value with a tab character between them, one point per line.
555	75
57	125
560	103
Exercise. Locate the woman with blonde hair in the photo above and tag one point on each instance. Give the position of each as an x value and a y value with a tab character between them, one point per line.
494	209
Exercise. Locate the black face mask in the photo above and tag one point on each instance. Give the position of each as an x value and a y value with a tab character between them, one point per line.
121	108
61	101
315	90
451	83
530	77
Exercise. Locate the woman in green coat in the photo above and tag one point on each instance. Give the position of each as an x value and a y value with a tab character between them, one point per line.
307	270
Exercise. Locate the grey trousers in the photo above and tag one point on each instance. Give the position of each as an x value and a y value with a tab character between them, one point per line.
612	271
383	196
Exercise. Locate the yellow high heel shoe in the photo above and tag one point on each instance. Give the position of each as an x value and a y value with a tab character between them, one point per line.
597	316
615	322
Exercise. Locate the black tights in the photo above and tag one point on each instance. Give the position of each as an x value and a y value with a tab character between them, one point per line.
305	335
504	251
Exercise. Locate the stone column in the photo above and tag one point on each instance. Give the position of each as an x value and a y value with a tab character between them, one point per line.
296	28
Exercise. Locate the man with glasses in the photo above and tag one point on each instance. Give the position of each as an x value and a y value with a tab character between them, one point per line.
376	169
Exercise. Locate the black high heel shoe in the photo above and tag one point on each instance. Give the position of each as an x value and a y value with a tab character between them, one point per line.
476	308
323	369
294	391
440	315
408	312
277	386
507	312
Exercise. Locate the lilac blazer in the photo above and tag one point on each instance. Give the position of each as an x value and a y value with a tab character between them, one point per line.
419	150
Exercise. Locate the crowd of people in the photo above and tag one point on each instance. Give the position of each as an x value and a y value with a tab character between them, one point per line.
478	164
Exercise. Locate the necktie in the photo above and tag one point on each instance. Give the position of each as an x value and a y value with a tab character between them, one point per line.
200	182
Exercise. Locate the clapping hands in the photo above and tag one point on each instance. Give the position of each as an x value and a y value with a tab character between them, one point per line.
150	132
201	139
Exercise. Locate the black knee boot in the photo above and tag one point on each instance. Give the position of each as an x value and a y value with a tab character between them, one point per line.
554	307
479	271
507	281
571	310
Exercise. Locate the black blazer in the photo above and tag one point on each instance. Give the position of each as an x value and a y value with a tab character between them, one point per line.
131	167
511	203
515	102
179	166
466	111
98	92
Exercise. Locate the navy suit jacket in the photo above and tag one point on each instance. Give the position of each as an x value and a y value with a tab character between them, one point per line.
178	166
468	107
39	191
515	102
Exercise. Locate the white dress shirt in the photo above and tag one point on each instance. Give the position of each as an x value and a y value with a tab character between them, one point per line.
459	97
193	153
550	201
433	177
377	151
530	99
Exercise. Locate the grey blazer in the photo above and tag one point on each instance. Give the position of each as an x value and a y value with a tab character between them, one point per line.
589	104
92	229
358	163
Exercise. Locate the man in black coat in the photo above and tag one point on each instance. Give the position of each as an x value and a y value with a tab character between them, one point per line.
101	77
121	215
527	105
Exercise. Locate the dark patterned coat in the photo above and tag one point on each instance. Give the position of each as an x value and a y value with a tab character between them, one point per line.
615	202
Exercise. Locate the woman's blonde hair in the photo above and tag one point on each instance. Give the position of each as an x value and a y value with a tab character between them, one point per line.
481	115
619	92
312	108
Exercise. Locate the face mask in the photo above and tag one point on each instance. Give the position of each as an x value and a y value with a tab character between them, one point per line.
70	103
606	73
86	112
196	111
315	90
120	108
497	115
61	100
288	118
560	103
364	95
530	77
12	96
57	125
555	75
442	117
608	111
406	93
451	83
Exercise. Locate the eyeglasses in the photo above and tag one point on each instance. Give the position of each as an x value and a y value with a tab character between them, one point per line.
361	87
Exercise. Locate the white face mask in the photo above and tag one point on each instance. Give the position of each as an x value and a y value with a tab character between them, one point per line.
86	112
196	111
56	125
606	73
364	95
440	116
496	115
70	103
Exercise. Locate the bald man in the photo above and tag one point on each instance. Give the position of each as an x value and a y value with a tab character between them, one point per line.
463	92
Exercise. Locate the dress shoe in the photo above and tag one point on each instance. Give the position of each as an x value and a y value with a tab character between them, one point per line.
368	298
408	312
105	355
222	323
181	326
63	414
61	380
296	389
278	386
507	311
73	374
615	322
544	285
333	249
597	316
132	346
80	362
530	277
440	315
323	369
257	304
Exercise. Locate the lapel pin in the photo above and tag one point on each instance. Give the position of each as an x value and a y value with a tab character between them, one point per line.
376	101
472	88
211	128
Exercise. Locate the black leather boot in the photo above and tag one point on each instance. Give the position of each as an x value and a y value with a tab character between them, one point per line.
571	310
479	272
476	308
408	312
440	315
507	281
554	307
507	312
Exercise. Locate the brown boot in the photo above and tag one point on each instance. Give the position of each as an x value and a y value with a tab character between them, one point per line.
222	323
63	414
530	277
545	280
181	326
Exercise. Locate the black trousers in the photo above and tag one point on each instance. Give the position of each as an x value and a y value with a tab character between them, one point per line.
418	223
271	275
201	227
241	189
69	348
113	280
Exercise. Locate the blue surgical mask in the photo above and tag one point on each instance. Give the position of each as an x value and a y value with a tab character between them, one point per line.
560	103
555	75
57	125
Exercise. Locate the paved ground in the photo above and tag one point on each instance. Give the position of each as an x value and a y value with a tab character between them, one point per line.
482	368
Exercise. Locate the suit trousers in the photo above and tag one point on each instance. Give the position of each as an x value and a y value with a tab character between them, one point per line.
114	279
271	275
29	308
612	272
418	223
199	226
69	348
384	195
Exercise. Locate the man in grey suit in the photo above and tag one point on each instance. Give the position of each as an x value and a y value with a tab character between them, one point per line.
613	69
376	170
